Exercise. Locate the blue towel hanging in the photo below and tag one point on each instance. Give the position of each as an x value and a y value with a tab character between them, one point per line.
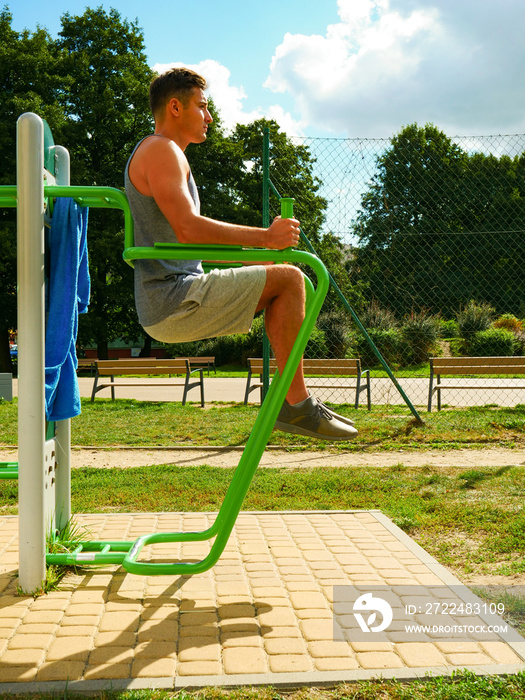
67	295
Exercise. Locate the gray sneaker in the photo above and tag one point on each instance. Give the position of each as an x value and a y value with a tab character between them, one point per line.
343	419
313	419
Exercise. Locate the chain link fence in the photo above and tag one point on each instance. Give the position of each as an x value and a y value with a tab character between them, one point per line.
425	236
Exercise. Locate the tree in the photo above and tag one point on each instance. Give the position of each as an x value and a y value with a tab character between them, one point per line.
432	225
28	82
105	77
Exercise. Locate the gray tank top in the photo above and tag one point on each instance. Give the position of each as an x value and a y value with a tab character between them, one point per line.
160	285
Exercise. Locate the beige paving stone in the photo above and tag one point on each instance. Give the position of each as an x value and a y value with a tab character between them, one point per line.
119	621
30	641
500	652
240	624
76	631
110	654
153	668
52	603
8	627
314	630
290	663
161	629
22	657
240	639
329	649
240	588
198	619
285	645
199	649
88	595
308	600
371	646
468	659
61	670
309	585
265	592
199	668
236	610
248	660
337	663
114	638
17	674
379	659
9	611
70	648
276	617
317	613
458	647
107	671
80	621
50	629
169	611
420	654
92	609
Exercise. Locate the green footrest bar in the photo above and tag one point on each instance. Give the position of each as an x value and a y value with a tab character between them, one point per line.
8	470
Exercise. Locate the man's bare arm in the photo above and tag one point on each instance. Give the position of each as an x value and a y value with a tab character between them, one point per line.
165	170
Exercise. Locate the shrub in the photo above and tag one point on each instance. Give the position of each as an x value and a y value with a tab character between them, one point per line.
389	342
335	326
420	330
474	317
509	322
448	329
494	341
375	316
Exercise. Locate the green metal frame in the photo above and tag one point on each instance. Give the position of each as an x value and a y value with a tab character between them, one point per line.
127	553
268	188
96	197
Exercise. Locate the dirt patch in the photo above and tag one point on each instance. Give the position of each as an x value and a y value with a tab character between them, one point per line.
125	457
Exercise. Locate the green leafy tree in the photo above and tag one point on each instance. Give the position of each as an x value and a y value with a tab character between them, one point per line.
105	78
434	226
28	82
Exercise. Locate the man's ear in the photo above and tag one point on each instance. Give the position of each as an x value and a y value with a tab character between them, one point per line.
175	106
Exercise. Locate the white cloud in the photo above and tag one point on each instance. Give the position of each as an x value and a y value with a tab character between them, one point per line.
230	98
388	63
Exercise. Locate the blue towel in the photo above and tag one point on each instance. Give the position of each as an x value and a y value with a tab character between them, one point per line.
68	296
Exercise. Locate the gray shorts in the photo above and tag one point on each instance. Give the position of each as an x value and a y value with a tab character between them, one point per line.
220	302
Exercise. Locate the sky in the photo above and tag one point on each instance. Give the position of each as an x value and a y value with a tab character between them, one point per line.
335	68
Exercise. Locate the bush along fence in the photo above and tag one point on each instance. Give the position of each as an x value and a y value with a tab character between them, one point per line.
424	237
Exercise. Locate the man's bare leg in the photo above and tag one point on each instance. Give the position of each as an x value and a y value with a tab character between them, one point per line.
283	299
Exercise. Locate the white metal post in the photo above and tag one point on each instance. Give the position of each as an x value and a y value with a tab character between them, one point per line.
63	427
31	377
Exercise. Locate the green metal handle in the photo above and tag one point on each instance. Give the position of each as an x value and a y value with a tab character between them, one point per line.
287	207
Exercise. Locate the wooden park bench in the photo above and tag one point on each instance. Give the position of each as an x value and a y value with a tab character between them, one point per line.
107	370
461	367
344	369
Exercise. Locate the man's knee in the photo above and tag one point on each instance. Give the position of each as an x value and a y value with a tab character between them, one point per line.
282	281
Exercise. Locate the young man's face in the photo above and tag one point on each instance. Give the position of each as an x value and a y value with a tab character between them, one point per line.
196	117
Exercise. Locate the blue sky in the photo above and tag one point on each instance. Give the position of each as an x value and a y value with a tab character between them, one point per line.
342	68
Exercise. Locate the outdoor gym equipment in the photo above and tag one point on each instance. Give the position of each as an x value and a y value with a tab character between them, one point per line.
44	449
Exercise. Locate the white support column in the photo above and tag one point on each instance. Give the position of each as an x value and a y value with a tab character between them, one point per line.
62	428
31	327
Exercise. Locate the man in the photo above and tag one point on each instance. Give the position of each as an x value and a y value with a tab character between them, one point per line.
176	301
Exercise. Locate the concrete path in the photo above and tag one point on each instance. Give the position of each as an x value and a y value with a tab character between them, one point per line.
383	392
278	609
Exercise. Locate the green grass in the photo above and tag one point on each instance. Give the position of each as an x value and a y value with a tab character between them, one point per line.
472	525
139	423
472	521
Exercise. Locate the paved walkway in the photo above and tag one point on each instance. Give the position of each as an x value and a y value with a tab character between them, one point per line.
383	392
263	615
